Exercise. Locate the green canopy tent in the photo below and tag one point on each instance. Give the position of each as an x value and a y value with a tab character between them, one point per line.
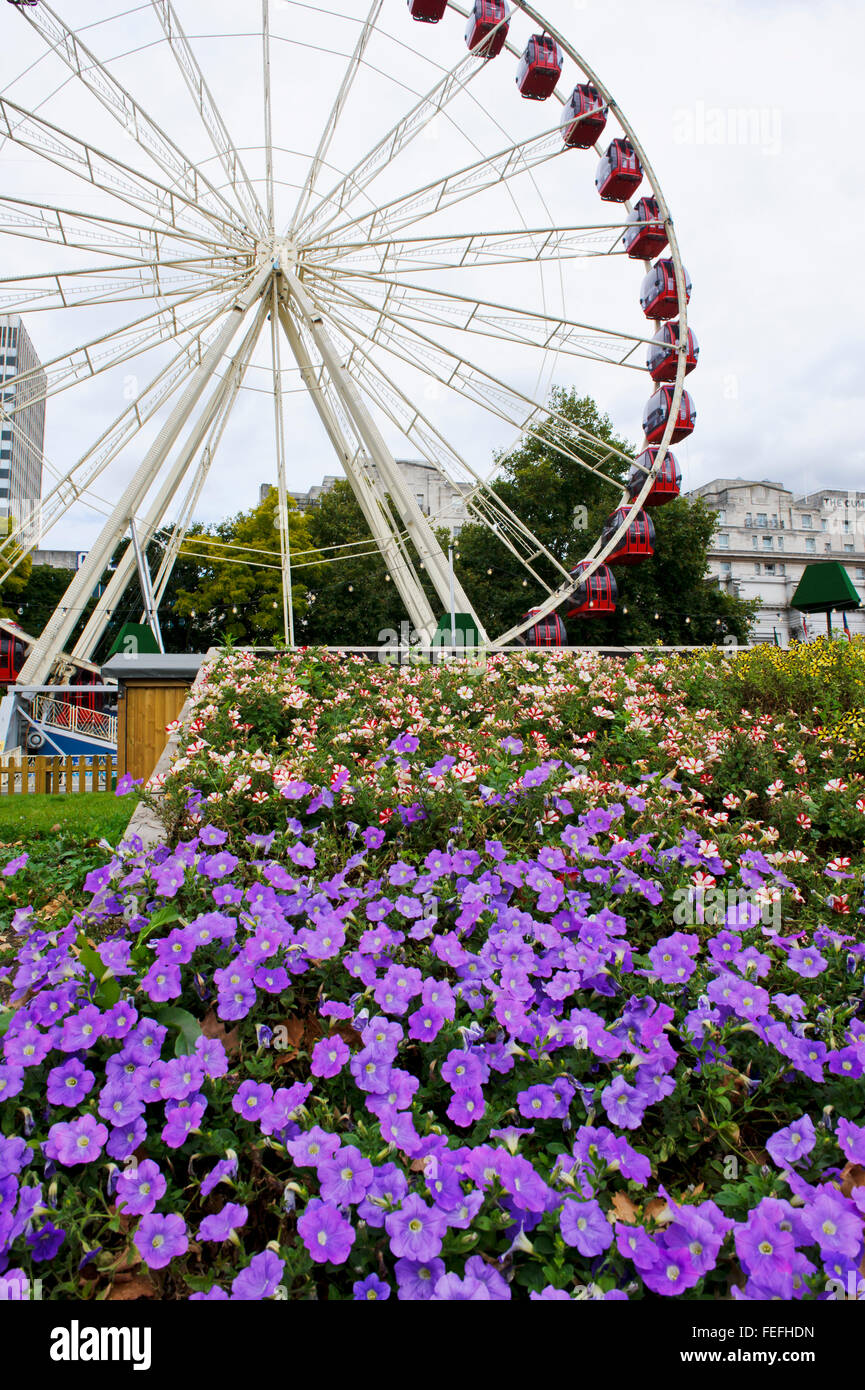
825	587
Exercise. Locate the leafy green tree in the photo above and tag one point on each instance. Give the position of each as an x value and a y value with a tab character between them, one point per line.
351	600
566	507
10	594
237	582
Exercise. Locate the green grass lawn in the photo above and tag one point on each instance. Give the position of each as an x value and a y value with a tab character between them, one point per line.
61	836
93	815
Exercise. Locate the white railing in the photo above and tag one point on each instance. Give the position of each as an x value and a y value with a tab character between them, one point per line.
71	718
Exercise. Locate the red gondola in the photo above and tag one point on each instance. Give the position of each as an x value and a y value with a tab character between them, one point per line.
547	632
427	11
620	172
667	482
540	68
658	295
636	544
484	18
645	236
657	413
11	658
663	357
584	117
596	596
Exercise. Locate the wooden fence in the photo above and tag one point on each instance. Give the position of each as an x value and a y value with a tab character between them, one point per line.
58	775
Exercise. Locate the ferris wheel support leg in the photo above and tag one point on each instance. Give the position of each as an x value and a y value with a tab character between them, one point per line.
60	626
126	569
418	527
368	493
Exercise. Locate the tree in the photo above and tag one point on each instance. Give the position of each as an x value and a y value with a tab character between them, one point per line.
566	506
10	594
234	583
351	600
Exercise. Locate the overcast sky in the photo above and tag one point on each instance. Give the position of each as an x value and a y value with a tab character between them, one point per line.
750	111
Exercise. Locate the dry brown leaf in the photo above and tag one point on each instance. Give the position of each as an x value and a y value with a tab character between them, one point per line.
213	1027
624	1208
127	1287
852	1175
654	1210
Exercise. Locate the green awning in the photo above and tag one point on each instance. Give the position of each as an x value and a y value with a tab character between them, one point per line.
825	587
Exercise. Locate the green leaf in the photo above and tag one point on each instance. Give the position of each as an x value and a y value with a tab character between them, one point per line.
5	1020
188	1028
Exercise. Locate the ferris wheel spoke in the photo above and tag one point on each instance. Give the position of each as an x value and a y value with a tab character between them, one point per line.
83	231
465	250
100	354
122	106
433	197
386	151
307	192
172	210
365	483
475	383
438	308
439	452
126	285
405	503
216	408
73	486
211	118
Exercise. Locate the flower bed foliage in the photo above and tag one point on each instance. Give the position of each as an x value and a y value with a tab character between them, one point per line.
537	980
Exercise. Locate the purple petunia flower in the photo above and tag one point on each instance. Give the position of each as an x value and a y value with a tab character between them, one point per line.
416	1229
325	1232
345	1177
69	1083
370	1289
793	1143
260	1279
416	1279
584	1225
222	1171
79	1141
45	1242
140	1187
329	1056
159	1239
220	1226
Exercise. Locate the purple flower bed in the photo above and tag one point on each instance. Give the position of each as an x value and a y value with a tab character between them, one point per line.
487	1059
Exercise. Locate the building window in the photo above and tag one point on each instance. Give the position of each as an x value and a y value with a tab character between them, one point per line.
780	542
748	520
767	542
768	569
823	523
806	521
754	542
782	569
848	548
810	546
860	574
726	567
761	519
828	547
756	566
722	518
847	528
723	541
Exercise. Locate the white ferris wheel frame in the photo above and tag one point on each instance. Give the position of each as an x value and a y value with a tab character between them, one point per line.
214	262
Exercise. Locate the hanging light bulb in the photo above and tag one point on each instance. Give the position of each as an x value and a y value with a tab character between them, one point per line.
387	579
624	610
525	583
489	571
656	617
234	610
351	588
687	620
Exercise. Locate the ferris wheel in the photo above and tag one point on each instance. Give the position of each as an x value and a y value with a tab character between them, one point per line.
362	276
